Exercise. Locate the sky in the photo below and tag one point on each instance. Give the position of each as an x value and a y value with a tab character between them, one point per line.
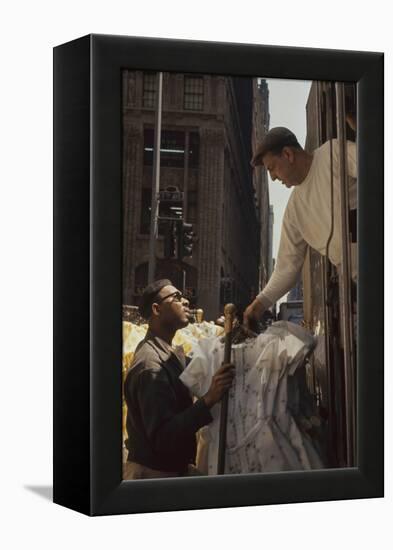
287	105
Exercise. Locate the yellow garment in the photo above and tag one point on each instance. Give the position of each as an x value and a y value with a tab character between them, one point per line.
186	337
132	335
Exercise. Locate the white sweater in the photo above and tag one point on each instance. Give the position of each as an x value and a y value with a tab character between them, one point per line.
307	219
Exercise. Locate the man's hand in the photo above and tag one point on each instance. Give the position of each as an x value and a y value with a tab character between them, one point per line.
221	383
253	313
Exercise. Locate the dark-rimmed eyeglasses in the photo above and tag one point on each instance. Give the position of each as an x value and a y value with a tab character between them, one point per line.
177	297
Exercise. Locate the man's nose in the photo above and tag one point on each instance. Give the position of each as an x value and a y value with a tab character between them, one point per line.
185	301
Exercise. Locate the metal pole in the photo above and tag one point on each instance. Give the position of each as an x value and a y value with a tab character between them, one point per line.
185	180
346	278
332	423
184	282
229	313
155	183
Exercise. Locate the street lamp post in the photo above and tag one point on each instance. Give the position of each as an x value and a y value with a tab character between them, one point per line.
155	183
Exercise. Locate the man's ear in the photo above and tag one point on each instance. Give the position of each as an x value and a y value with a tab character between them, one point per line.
155	308
288	154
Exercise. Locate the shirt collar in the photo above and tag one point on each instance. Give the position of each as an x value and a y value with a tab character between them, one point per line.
165	350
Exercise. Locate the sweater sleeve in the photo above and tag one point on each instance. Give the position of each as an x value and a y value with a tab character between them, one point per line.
290	259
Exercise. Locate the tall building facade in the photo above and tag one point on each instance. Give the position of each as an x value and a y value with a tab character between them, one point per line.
206	146
261	123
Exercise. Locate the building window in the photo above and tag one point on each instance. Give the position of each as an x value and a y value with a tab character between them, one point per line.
145	211
148	147
193	93
149	89
193	151
192	206
172	148
171	209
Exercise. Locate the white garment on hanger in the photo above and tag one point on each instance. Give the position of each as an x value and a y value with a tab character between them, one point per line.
262	432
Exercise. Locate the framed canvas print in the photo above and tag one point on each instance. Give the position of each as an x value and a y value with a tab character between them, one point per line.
217	335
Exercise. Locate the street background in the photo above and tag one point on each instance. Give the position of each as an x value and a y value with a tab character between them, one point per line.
28	33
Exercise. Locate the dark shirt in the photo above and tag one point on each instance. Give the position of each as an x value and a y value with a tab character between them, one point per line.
162	419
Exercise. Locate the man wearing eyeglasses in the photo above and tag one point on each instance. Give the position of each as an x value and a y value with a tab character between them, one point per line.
162	419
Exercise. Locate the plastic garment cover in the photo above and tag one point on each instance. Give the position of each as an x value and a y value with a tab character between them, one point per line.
263	433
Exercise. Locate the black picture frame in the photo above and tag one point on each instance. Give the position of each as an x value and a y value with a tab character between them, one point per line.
88	275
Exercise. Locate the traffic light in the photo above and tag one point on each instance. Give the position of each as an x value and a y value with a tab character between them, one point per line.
170	240
185	239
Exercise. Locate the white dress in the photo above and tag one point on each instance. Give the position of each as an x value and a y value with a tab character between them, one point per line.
262	432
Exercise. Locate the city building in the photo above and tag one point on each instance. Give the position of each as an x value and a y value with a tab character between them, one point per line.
209	126
261	122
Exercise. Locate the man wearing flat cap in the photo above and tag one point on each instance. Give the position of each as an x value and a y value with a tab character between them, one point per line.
162	419
309	217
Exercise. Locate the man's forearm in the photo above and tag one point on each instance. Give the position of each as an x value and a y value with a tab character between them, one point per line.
278	285
264	300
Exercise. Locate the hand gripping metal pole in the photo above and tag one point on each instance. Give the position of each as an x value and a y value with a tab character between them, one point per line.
229	314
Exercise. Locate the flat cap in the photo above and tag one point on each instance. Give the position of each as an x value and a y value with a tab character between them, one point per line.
273	142
149	295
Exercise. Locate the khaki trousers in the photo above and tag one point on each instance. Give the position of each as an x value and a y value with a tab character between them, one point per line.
133	470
